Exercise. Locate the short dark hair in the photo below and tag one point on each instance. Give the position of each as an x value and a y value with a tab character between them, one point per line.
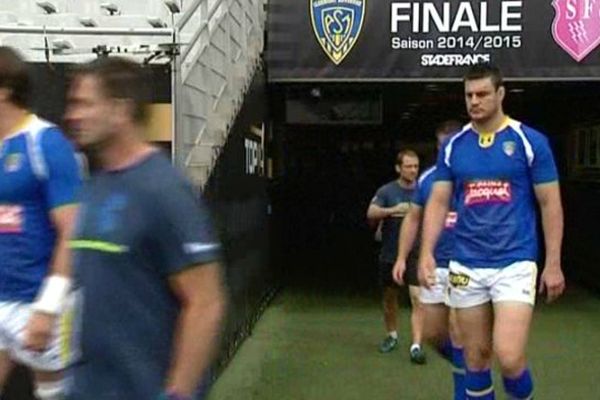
447	127
405	153
485	70
14	75
120	78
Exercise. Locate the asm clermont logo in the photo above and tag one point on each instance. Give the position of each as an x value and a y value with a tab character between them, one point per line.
337	25
576	26
509	148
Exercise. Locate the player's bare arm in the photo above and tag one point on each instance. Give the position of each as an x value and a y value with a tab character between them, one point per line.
433	223
552	280
57	284
377	213
200	292
406	240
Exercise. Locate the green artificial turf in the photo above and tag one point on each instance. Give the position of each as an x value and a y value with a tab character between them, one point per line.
321	346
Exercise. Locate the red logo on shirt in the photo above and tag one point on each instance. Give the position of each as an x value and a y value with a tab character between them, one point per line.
490	191
11	219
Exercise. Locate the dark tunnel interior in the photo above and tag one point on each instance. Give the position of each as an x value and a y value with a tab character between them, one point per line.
330	167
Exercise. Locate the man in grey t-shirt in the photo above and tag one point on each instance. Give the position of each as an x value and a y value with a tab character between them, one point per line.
389	207
146	262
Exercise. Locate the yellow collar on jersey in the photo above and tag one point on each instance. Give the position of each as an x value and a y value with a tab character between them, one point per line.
19	126
22	123
487	139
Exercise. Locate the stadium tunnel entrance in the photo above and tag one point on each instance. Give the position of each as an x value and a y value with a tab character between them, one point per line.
335	144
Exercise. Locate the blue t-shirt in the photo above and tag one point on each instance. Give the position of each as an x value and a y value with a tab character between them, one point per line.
445	245
38	173
137	227
493	176
391	195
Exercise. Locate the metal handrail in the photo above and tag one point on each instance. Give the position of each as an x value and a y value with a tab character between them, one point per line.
211	14
55	30
189	13
224	90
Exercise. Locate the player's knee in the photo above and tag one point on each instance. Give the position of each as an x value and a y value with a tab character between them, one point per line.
50	390
478	357
435	332
390	297
511	362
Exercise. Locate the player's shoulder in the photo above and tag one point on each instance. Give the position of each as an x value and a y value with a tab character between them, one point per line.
40	126
526	132
453	141
386	188
46	133
457	138
385	191
162	177
427	175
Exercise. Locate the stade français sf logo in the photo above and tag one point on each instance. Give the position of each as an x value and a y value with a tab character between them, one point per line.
576	26
337	25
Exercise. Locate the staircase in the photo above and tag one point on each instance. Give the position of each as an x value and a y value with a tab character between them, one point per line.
213	76
213	46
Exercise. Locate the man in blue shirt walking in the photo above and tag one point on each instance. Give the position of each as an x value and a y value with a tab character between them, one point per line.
146	261
389	207
497	169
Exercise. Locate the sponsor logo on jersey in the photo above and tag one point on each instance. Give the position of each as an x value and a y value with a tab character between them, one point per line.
451	219
11	218
197	247
459	280
109	213
487	191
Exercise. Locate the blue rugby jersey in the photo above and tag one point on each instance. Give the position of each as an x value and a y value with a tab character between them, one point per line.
493	175
445	244
38	172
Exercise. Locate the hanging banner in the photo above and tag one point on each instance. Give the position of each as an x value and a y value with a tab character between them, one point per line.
428	40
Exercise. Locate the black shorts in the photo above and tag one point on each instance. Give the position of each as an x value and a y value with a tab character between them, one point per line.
410	275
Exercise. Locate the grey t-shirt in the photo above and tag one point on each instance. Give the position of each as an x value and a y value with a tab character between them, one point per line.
136	227
391	195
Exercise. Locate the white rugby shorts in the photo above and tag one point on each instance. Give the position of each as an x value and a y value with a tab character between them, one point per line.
437	294
14	317
470	287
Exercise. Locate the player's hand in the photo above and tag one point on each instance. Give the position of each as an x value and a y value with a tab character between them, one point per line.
552	282
398	271
39	331
426	271
400	210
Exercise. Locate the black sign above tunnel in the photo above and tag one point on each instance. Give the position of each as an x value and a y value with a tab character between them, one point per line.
426	40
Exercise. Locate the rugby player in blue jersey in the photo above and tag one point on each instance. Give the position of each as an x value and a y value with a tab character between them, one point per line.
497	170
39	180
145	257
439	328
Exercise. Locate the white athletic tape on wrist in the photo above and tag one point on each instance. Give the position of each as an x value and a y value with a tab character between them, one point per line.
50	390
52	294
